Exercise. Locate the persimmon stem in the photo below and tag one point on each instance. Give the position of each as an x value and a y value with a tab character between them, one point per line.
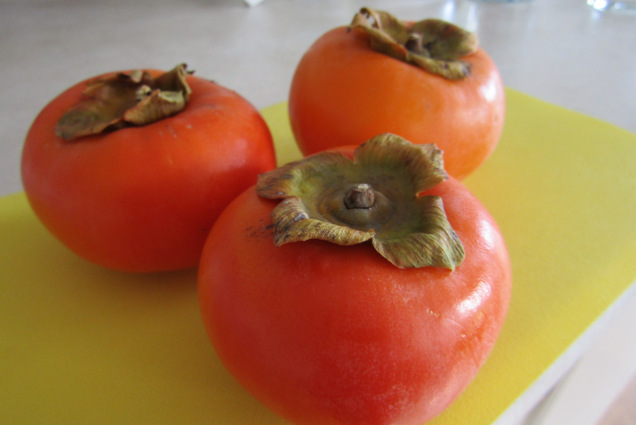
323	198
361	196
433	45
124	100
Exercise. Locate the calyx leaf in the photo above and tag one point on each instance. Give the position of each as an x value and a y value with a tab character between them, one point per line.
431	44
124	100
375	196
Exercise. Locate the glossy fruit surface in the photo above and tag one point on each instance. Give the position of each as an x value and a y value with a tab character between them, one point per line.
328	334
344	92
143	198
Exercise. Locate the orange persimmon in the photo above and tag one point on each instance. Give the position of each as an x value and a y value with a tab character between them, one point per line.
142	196
339	296
427	81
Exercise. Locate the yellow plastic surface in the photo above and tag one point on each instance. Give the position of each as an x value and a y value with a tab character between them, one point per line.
80	344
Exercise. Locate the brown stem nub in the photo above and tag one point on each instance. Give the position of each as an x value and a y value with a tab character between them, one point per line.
323	198
361	196
124	100
433	45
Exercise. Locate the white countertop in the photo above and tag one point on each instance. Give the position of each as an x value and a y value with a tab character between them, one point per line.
560	51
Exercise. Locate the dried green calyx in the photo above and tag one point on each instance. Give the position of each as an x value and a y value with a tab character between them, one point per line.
124	100
375	196
431	44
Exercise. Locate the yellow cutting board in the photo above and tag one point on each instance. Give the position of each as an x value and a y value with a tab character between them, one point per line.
80	344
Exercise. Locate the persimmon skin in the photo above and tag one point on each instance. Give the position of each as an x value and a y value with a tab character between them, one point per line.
143	199
325	334
343	92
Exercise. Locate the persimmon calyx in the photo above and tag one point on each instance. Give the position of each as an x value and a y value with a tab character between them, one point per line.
431	44
125	100
374	196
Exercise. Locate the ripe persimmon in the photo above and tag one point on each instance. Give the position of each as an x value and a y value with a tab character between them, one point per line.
131	169
427	81
337	295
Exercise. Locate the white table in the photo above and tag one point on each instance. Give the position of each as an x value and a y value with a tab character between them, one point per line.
561	51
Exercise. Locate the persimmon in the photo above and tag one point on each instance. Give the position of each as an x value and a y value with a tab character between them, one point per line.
360	288
427	81
131	169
